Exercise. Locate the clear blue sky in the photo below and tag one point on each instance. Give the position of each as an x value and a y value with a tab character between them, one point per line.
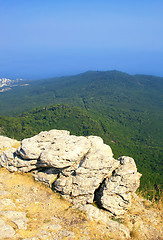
49	38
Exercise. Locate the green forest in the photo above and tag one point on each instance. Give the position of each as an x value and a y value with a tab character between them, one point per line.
125	110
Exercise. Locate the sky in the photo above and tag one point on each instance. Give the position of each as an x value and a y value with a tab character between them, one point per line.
40	39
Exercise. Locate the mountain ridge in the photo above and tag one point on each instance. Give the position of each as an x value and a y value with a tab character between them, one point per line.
50	89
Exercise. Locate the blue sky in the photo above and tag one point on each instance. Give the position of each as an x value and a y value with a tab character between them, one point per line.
49	38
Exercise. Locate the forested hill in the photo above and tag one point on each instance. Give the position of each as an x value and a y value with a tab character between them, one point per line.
60	116
112	87
127	111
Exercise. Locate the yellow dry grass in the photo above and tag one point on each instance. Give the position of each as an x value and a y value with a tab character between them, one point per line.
144	218
16	145
41	205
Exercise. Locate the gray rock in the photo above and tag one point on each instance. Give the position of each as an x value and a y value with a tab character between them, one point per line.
115	192
6	202
47	176
6	231
63	185
31	148
19	218
7	143
82	169
14	163
87	176
65	152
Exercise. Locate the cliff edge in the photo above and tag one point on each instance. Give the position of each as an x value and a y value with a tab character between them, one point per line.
84	171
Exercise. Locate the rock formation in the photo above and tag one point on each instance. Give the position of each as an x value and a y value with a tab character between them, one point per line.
82	169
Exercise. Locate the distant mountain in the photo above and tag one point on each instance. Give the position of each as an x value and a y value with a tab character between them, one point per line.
117	87
128	109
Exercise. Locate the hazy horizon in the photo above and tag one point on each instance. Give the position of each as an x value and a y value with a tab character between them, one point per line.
41	39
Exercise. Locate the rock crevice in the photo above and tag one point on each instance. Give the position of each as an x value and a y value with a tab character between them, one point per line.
82	169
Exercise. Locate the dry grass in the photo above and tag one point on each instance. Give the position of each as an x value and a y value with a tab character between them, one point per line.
156	201
144	218
16	145
41	205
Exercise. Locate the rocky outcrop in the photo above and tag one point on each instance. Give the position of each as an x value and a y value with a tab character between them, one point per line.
82	169
115	192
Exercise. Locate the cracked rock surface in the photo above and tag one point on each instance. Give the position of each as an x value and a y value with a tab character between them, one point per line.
82	169
115	192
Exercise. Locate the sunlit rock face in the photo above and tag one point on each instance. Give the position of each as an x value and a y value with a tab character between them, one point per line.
82	169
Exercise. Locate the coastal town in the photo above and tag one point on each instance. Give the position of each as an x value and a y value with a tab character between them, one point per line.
6	83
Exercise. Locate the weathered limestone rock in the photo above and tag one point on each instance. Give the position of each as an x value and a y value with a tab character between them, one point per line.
6	143
85	178
31	148
65	152
9	145
82	169
6	231
6	202
115	192
19	218
13	163
47	176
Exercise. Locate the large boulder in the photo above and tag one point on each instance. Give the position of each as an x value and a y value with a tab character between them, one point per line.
65	151
81	182
82	169
115	192
31	148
